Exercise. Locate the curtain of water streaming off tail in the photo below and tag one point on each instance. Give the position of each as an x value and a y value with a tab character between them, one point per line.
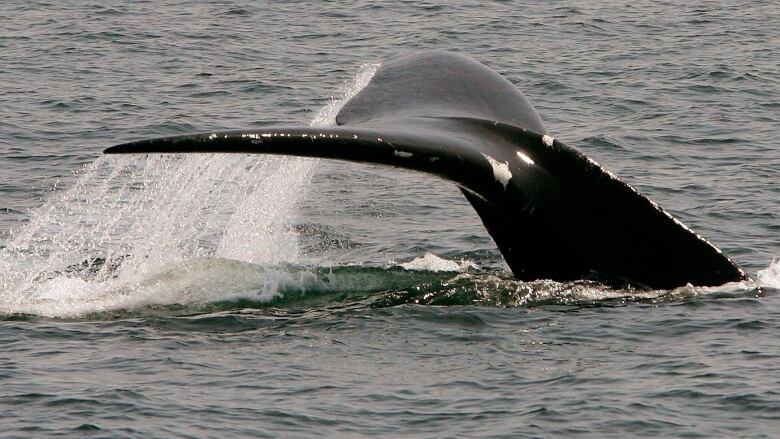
130	221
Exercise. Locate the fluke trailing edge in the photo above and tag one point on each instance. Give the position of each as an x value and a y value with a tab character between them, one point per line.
553	212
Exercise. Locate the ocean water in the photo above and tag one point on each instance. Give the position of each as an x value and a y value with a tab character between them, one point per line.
249	296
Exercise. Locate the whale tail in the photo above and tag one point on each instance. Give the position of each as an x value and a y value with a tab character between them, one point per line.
553	212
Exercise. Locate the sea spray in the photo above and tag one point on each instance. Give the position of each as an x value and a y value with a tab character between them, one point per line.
770	276
109	240
259	214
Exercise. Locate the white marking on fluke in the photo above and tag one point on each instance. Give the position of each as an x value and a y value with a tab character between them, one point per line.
548	139
403	154
525	158
500	170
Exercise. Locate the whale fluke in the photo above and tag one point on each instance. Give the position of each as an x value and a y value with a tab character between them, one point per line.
553	212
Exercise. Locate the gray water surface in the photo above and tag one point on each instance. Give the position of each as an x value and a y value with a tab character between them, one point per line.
237	296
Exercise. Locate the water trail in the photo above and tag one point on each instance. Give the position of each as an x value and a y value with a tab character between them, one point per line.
128	220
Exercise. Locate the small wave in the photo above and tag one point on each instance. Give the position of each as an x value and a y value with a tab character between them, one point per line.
210	93
237	11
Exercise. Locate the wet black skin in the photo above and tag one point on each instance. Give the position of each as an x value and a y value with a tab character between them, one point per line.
559	216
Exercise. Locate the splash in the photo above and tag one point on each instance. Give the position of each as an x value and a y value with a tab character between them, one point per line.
327	114
114	237
431	262
770	276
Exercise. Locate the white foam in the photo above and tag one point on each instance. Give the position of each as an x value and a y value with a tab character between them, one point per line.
431	262
770	276
196	281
